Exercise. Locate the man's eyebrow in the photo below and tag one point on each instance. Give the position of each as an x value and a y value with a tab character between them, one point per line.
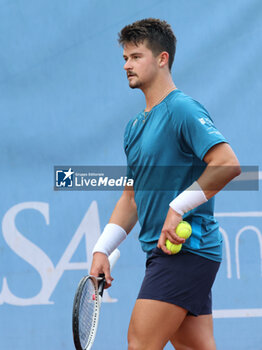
133	54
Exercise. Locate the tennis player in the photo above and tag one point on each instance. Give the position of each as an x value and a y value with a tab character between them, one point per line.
174	303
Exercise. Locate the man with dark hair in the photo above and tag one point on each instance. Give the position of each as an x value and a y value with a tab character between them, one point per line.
174	303
158	35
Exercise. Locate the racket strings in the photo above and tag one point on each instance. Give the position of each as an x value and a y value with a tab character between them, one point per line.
87	312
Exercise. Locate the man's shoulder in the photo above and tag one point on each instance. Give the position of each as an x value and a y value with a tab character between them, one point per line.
184	105
182	101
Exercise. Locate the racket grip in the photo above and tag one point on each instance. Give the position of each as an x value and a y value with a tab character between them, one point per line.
113	257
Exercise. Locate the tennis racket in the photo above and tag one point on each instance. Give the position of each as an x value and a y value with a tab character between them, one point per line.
86	307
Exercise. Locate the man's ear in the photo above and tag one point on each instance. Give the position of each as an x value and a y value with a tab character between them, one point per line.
163	59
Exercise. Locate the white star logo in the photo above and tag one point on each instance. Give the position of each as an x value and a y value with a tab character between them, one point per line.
68	174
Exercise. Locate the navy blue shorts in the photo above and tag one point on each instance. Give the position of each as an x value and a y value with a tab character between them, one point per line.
183	279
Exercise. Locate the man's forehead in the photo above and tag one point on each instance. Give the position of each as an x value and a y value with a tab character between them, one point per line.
130	48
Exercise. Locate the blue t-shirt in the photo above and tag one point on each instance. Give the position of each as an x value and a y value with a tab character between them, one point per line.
165	154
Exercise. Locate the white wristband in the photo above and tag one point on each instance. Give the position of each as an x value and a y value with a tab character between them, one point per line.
110	239
189	199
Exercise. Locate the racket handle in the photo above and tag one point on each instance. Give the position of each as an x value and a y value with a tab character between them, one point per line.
113	257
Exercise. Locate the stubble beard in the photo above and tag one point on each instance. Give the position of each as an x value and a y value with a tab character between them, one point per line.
136	84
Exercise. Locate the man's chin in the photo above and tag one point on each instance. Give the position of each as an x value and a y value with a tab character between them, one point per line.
135	85
132	86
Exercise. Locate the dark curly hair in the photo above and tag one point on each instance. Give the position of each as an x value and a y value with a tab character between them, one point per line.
157	35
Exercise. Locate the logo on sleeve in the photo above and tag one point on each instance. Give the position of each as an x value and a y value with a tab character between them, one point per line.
209	126
205	121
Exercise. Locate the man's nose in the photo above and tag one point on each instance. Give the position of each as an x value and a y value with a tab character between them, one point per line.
127	65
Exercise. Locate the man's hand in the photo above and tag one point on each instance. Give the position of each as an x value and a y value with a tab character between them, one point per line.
169	231
100	264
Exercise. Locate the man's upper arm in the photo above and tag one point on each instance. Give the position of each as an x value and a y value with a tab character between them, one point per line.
221	154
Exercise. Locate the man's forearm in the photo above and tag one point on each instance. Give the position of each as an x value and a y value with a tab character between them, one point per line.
125	213
122	220
222	167
214	178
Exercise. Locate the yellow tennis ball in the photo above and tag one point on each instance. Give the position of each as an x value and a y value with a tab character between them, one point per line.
184	229
174	248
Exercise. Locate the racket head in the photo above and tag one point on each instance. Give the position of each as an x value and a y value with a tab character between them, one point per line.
86	312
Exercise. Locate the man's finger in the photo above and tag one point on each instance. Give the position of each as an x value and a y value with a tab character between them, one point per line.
94	272
165	250
162	244
174	238
108	285
108	276
162	240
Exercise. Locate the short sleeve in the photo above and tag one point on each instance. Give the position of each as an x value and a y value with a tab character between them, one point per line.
198	130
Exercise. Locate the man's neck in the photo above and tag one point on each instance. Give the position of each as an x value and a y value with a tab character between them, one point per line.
158	91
